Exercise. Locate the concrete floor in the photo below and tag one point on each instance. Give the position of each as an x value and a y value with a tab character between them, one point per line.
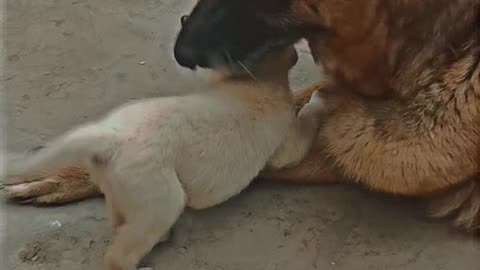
68	61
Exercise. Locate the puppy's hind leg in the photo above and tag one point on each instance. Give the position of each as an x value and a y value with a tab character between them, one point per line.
116	217
150	209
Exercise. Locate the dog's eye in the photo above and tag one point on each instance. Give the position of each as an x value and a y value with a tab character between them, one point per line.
184	19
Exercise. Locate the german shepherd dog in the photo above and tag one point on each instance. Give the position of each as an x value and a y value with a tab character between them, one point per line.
400	83
402	87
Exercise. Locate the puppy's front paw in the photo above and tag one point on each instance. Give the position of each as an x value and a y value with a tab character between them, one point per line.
315	98
315	105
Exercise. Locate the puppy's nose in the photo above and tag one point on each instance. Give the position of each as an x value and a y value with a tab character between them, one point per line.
186	57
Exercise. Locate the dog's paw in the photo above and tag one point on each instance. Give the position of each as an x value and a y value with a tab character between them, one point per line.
62	186
315	105
28	192
315	97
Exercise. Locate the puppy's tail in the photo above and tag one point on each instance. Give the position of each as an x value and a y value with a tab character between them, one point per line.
84	144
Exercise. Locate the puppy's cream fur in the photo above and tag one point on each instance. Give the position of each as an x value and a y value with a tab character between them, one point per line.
154	157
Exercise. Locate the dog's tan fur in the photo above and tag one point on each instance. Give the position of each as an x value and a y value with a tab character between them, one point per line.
192	151
404	108
402	86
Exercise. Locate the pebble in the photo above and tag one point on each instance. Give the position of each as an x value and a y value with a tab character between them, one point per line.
55	223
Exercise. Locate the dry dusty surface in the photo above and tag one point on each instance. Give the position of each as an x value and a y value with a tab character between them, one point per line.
68	61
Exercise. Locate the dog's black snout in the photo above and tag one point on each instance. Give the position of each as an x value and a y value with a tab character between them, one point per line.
191	49
186	57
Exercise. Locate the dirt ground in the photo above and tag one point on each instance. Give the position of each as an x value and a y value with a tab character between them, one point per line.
67	61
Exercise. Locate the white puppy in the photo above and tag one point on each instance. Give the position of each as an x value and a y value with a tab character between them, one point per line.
154	157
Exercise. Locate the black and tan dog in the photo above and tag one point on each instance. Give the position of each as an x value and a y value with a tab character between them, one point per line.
402	89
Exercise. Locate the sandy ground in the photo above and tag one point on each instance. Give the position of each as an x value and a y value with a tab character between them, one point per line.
67	61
